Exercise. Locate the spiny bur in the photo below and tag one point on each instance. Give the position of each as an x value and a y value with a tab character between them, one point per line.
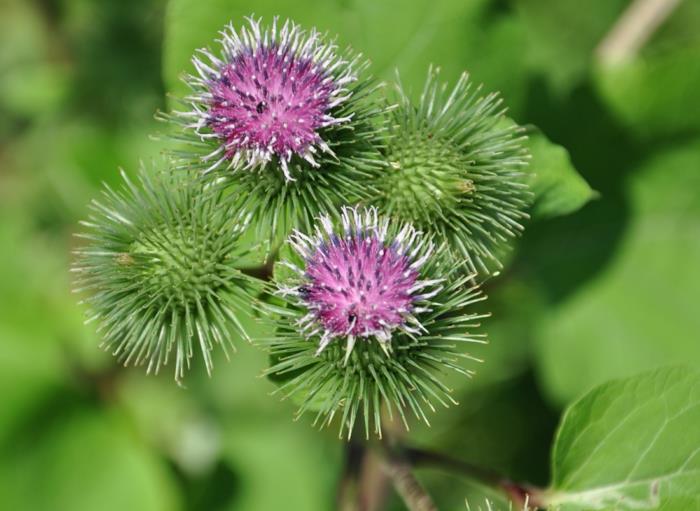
456	170
158	269
371	314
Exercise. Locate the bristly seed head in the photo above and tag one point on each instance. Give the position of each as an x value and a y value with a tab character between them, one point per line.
456	170
158	272
269	95
370	314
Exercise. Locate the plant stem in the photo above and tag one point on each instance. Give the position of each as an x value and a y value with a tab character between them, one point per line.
424	457
519	493
362	475
346	498
634	28
374	482
407	486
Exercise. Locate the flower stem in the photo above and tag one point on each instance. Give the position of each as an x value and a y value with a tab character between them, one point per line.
634	28
407	486
519	493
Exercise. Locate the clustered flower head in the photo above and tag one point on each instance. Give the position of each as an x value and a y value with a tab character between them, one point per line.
159	267
269	95
357	283
387	210
370	308
286	116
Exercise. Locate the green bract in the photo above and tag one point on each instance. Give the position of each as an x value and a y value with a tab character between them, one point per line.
455	169
159	271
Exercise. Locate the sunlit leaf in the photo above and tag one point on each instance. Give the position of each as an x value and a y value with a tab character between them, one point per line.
639	311
630	444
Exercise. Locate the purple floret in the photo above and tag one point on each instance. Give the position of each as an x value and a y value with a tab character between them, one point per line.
361	281
269	96
268	100
359	286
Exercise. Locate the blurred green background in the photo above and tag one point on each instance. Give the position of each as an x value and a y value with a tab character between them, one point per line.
605	291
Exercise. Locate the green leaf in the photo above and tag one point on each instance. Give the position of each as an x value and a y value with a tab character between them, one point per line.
655	95
84	461
416	33
559	189
282	464
680	504
36	346
630	444
34	83
640	310
488	505
562	36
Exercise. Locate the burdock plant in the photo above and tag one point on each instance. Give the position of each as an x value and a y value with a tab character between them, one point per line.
159	269
390	211
371	311
284	117
396	207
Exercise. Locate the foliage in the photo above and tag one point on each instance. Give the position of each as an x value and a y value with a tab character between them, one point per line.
594	290
656	262
630	443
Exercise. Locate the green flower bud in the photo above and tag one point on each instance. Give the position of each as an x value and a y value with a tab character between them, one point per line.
456	170
158	269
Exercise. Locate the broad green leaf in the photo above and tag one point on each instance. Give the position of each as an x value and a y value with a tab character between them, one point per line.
488	505
680	504
415	35
33	83
639	311
656	94
40	327
562	36
630	444
283	464
653	94
84	461
679	30
559	189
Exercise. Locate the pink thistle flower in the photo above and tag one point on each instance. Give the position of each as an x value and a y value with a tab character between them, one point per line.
269	95
361	282
367	320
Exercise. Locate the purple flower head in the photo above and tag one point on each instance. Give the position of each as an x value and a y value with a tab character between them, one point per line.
269	95
362	281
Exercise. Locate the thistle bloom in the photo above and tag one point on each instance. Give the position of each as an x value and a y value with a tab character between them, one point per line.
158	271
370	309
270	94
359	284
285	116
456	170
